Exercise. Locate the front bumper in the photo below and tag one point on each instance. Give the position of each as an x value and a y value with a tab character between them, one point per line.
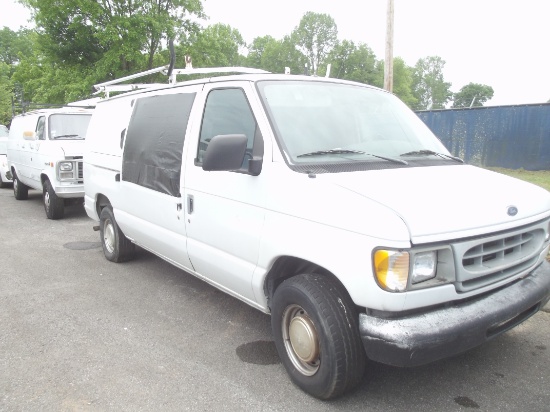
419	339
69	191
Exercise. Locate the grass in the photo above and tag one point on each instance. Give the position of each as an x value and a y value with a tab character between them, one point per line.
540	178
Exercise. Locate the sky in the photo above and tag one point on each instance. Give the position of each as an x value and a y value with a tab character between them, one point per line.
504	44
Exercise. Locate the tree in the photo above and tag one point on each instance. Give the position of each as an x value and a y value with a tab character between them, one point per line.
279	54
315	37
357	63
14	45
429	87
5	94
473	94
403	82
256	50
118	36
216	46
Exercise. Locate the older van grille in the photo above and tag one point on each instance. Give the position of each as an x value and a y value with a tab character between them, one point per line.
80	169
483	261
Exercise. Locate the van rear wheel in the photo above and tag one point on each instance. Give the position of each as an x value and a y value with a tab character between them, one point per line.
20	191
116	246
53	205
316	332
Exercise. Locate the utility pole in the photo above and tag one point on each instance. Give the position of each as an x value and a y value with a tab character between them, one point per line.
388	63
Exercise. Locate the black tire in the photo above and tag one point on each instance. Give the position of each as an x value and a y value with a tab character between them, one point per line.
53	205
326	358
20	191
116	246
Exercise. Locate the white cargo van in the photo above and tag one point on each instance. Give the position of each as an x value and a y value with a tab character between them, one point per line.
45	153
328	205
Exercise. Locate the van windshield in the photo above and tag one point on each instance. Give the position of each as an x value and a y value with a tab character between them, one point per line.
68	126
324	122
4	132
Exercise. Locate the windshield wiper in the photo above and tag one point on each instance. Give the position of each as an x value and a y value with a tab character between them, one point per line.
65	136
432	153
331	151
347	151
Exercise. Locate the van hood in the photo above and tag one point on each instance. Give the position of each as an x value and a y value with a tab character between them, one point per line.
441	201
71	147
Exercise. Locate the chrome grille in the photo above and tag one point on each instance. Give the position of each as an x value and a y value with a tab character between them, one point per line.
80	170
484	261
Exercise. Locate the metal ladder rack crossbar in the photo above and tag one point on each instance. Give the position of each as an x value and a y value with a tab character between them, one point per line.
114	86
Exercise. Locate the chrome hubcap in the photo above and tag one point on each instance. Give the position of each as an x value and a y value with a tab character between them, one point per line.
47	200
109	236
301	340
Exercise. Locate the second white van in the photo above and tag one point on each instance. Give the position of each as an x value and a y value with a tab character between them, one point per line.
45	149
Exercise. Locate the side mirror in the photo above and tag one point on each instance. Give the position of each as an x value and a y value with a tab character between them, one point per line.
28	135
225	153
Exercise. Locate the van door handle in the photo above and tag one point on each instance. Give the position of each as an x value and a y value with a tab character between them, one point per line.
190	204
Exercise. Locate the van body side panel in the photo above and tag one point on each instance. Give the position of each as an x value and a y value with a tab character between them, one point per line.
224	210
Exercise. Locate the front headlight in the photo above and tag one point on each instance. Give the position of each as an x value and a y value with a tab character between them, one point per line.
424	266
65	166
391	269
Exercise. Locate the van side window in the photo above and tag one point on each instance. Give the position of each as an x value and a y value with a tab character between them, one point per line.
153	146
40	127
227	112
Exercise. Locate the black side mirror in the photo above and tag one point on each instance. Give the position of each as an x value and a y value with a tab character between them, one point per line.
225	153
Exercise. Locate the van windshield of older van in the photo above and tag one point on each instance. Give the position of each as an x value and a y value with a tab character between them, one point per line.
68	126
325	122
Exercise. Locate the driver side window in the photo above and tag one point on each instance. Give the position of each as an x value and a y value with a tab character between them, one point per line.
227	112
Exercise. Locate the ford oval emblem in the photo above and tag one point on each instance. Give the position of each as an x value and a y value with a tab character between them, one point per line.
512	210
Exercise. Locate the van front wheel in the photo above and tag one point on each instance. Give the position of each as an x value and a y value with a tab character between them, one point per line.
116	246
20	191
316	331
53	205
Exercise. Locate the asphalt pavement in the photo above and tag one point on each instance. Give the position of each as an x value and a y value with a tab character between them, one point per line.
79	333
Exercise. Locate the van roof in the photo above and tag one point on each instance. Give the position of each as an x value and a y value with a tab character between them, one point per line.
236	77
71	110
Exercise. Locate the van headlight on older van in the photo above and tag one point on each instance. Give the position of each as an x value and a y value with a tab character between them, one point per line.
66	170
394	269
65	166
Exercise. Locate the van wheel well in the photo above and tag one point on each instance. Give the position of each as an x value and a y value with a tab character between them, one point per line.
101	202
288	266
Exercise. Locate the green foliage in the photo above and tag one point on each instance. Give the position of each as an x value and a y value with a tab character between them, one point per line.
257	49
274	55
429	87
315	37
403	82
118	36
5	94
216	46
15	45
473	94
357	63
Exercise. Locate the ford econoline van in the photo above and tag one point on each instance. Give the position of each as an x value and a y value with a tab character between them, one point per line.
327	204
45	150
